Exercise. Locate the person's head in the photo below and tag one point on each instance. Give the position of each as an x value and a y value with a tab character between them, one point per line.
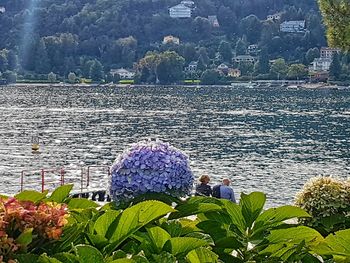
226	182
204	179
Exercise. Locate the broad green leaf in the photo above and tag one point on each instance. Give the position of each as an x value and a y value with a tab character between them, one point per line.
214	229
61	193
235	212
276	216
123	260
295	235
45	259
97	241
26	237
164	257
88	254
81	203
188	225
201	255
104	221
183	245
338	243
135	217
158	236
228	242
173	227
66	257
252	206
189	209
32	196
27	258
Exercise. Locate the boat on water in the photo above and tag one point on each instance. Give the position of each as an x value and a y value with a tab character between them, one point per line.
243	84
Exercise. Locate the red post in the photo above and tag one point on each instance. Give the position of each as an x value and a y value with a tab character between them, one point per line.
42	180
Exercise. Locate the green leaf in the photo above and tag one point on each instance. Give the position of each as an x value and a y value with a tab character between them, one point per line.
32	196
123	260
66	257
214	229
45	259
252	206
26	258
295	235
189	209
26	237
88	254
158	236
97	241
274	217
200	255
338	244
61	193
81	203
183	245
235	213
104	221
135	217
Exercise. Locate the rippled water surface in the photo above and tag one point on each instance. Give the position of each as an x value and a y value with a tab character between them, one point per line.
269	140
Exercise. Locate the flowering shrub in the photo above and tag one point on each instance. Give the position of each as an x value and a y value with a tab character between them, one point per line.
327	200
23	223
150	166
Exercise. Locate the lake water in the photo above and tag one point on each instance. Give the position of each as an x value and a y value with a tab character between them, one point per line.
270	140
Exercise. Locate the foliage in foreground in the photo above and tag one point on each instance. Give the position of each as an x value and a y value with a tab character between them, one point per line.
327	200
200	229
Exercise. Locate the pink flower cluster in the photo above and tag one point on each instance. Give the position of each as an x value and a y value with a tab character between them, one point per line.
45	219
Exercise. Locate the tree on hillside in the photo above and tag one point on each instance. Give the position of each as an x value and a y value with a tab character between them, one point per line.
225	51
170	67
251	26
147	67
96	71
279	69
12	60
311	54
263	65
335	67
241	47
210	77
336	14
297	71
42	62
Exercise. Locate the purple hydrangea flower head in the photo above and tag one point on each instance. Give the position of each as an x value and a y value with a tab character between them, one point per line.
150	166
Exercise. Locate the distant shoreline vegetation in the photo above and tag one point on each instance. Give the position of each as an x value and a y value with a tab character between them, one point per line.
217	43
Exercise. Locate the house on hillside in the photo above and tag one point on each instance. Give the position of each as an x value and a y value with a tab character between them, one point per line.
274	17
223	68
293	26
171	39
253	49
180	11
2	9
213	20
188	3
244	58
123	73
320	64
327	52
192	67
234	72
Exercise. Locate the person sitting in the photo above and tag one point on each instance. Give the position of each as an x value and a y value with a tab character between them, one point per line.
203	189
226	191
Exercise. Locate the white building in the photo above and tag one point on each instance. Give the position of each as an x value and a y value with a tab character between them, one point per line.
171	39
274	17
180	11
192	67
213	20
2	9
320	64
123	73
327	52
253	49
245	58
293	26
188	3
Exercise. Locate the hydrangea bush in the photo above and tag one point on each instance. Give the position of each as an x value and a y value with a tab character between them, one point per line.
24	224
150	166
327	200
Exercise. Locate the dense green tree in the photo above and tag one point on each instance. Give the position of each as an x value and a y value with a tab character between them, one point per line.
279	69
3	60
311	54
170	67
241	47
225	51
251	26
335	67
12	60
96	71
246	68
263	65
203	56
336	14
72	77
297	71
210	77
51	77
189	52
147	67
42	62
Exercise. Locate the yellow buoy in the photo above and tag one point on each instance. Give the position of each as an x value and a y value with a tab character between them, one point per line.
35	144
